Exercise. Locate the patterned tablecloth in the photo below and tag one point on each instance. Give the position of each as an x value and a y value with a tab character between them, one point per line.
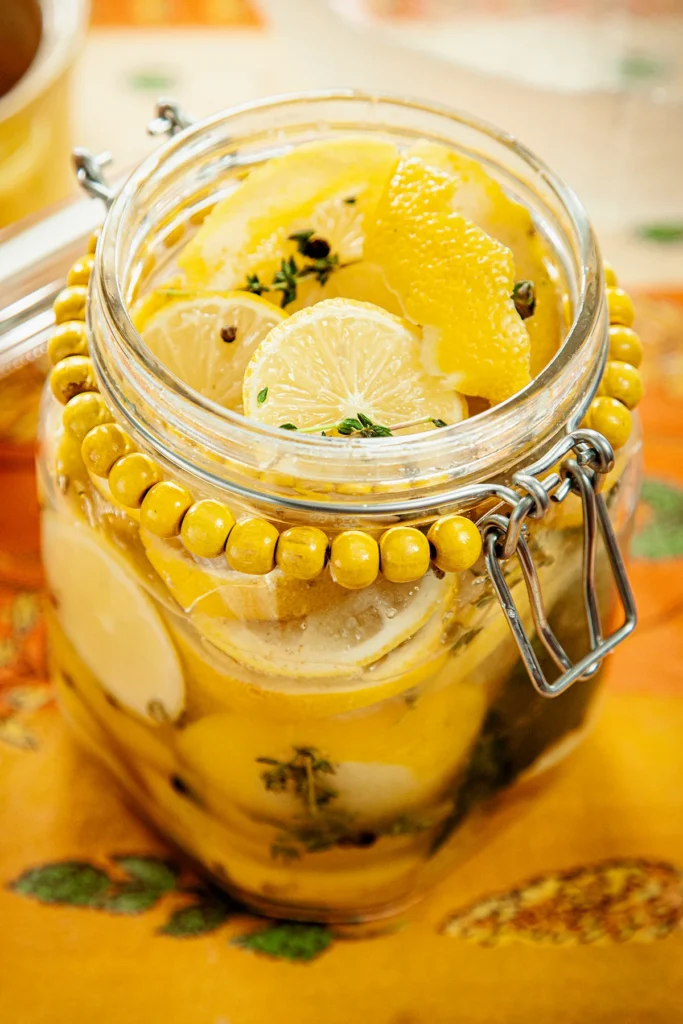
571	913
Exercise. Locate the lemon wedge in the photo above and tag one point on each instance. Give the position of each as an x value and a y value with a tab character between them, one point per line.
207	340
112	624
330	187
341	357
454	280
360	627
480	198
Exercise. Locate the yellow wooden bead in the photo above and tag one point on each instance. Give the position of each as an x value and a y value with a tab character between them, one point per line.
455	542
620	305
67	339
404	553
301	552
354	559
611	418
621	380
251	547
131	477
163	508
85	411
624	344
71	376
93	240
70	304
610	276
206	528
81	270
103	445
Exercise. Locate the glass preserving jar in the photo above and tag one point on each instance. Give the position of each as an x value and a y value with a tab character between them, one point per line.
324	750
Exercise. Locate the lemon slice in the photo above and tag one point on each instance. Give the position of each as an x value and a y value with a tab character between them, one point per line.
330	187
213	588
207	340
381	764
146	741
218	683
483	200
360	627
454	280
341	357
112	624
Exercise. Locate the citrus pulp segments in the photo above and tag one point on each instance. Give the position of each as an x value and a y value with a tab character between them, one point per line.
111	622
341	357
356	630
247	232
188	336
454	280
480	198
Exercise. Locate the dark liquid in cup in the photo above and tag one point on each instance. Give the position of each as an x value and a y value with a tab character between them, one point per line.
21	27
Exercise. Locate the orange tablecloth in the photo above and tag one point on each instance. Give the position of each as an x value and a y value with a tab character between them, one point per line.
102	922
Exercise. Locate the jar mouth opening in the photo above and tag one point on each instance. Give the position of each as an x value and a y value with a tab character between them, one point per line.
469	448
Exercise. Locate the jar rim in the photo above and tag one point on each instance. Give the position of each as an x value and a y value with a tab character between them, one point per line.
186	409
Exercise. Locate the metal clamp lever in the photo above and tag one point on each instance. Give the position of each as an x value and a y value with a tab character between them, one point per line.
581	475
89	174
169	118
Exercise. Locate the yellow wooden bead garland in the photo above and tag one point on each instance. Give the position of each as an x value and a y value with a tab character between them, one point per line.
621	387
208	528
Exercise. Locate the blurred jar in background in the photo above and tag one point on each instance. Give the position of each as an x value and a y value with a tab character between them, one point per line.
595	87
38	43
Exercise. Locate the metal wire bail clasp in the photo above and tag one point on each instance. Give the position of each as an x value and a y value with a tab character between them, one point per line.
582	473
89	174
169	118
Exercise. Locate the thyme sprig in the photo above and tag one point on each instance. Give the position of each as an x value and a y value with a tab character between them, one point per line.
284	280
361	425
320	263
302	776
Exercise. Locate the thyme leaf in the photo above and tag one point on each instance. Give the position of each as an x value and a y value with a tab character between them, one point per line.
284	280
254	285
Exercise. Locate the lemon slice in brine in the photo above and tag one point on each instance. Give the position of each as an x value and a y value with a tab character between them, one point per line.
211	587
335	641
339	358
207	339
111	622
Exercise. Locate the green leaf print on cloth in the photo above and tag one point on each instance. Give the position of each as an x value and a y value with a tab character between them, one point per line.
146	881
288	940
662	536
